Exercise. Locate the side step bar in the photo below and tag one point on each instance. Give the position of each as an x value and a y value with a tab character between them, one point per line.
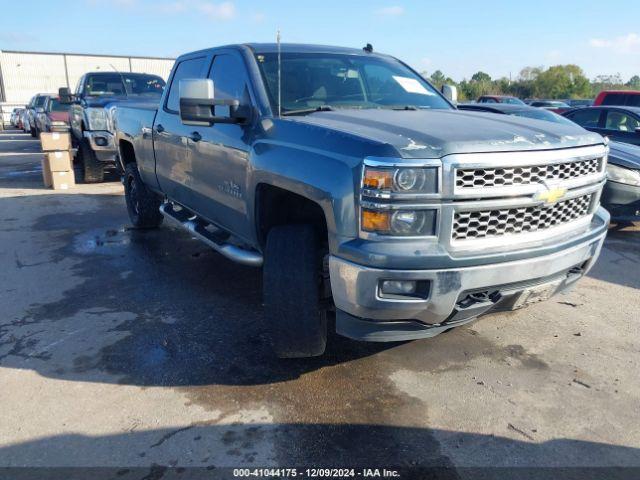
198	229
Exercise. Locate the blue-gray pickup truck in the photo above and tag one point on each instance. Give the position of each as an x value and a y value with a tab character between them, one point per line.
361	191
90	116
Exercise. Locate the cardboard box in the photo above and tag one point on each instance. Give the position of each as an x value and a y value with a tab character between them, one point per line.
55	141
58	161
62	180
46	173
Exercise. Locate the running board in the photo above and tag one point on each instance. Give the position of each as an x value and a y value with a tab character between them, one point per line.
197	228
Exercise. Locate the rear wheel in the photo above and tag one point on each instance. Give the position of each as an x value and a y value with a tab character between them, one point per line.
143	205
88	169
292	284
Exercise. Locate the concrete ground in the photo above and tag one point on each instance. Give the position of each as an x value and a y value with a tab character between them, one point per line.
124	348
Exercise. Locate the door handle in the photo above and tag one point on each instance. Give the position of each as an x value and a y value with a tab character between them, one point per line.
159	128
195	136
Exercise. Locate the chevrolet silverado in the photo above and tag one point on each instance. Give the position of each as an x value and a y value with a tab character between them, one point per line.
361	191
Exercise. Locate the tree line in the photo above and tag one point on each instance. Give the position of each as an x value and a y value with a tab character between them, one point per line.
557	82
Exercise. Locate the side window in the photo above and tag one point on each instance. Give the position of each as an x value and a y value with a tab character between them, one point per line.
191	68
587	118
614	99
633	100
621	122
229	77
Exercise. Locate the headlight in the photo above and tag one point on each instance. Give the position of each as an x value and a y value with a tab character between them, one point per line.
405	223
96	118
623	175
402	180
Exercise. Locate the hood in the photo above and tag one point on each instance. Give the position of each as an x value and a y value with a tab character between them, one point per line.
624	155
435	133
59	116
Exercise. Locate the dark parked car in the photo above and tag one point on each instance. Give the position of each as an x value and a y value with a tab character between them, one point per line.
517	110
500	99
618	123
579	102
34	107
553	105
621	194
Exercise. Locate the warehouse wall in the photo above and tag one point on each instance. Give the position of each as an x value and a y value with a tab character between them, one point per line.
23	74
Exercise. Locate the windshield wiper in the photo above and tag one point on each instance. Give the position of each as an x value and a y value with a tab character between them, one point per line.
321	108
405	107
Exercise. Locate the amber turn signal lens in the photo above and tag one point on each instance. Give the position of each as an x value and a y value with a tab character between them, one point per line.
378	179
373	221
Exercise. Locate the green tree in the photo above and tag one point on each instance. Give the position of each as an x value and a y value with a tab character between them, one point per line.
562	81
481	77
438	78
634	82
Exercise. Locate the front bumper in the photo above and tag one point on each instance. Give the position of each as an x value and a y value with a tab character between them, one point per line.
362	313
103	144
622	201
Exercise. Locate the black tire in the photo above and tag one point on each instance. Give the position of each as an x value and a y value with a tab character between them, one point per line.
296	320
143	205
87	167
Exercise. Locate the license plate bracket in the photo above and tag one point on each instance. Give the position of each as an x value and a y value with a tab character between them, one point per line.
536	294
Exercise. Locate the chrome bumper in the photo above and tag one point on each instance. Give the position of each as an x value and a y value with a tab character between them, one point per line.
356	293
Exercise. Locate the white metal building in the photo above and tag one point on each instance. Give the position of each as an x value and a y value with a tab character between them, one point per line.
23	74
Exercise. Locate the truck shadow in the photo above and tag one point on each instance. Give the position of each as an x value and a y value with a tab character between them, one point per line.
149	307
211	451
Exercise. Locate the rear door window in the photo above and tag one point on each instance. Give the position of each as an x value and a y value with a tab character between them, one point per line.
614	99
191	68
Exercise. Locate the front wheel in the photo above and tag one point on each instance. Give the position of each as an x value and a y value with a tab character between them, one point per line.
88	168
292	283
143	205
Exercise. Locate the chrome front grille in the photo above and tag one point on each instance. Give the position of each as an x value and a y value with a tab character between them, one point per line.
467	178
479	224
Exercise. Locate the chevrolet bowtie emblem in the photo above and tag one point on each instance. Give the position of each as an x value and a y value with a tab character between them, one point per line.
551	195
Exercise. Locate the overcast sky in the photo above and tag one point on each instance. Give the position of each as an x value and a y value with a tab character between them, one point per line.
459	38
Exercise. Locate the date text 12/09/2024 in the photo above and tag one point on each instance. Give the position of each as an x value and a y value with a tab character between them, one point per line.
316	473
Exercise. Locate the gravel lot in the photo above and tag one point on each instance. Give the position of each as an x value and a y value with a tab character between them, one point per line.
123	348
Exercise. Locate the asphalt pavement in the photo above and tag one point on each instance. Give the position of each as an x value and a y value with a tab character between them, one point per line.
144	352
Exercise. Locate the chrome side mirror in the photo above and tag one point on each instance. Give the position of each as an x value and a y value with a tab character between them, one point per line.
198	105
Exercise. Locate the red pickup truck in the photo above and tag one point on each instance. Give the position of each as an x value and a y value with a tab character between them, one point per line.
630	98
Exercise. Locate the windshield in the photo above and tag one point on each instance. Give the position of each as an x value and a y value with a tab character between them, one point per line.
124	84
539	114
40	101
314	80
56	106
513	101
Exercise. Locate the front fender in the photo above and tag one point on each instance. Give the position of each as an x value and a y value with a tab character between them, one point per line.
330	181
